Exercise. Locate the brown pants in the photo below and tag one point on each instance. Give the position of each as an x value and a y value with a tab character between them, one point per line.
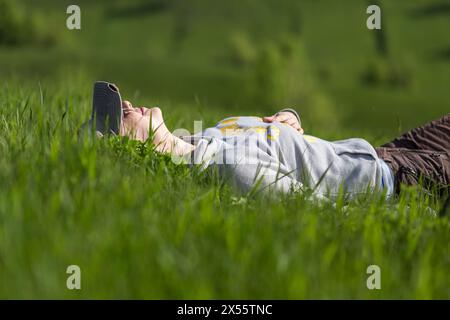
421	155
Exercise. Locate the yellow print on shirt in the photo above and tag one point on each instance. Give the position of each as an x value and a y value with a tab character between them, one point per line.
310	139
228	121
230	127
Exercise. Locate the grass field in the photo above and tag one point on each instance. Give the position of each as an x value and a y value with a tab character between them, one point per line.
140	226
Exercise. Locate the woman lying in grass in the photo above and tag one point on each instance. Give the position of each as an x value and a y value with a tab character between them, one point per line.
273	153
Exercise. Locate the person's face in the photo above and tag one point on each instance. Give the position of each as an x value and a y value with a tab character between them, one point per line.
136	121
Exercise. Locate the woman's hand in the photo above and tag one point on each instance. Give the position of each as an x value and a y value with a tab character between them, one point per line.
285	117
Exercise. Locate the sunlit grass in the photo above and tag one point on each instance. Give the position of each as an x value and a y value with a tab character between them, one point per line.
141	227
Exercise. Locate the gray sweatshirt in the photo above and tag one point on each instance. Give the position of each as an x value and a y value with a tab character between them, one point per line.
274	156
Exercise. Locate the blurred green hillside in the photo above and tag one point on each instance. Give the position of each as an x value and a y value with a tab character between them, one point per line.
209	59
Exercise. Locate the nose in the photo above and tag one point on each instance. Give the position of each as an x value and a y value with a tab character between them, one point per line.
126	105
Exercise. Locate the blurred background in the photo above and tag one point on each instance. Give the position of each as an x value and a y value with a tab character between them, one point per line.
208	59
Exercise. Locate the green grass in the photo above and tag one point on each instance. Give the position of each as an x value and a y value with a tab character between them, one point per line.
141	227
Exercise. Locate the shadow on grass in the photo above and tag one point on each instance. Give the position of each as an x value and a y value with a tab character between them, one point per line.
432	10
442	54
445	208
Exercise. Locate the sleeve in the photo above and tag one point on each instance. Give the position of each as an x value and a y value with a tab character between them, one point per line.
294	112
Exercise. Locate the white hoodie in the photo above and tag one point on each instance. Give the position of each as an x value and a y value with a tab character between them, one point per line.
274	156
